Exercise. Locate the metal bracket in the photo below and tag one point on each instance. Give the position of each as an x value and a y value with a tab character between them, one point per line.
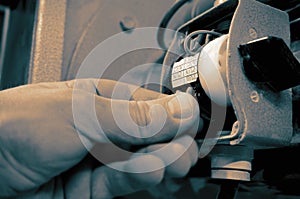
265	117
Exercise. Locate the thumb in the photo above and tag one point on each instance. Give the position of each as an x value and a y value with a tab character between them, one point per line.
136	122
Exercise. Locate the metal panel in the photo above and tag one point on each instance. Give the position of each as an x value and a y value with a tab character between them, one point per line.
265	117
5	12
48	42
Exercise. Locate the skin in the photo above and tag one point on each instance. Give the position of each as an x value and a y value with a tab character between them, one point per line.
41	150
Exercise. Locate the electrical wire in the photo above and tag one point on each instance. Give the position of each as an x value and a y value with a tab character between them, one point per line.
187	40
165	21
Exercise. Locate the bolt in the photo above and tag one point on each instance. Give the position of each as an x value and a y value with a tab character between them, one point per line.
254	96
128	23
252	33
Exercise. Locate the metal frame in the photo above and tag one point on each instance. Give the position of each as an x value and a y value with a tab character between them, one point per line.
48	42
3	38
265	117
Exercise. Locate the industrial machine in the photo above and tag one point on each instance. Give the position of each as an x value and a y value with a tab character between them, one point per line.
240	58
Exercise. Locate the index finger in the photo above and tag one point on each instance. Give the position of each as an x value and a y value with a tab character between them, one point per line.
114	89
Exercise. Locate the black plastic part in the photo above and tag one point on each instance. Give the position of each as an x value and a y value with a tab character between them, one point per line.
10	3
270	61
228	189
165	21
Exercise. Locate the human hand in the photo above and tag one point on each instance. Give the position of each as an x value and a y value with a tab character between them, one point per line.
43	143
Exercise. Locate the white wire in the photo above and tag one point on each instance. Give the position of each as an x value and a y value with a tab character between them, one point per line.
188	38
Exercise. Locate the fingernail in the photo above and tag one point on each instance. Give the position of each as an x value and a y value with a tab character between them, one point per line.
189	90
181	106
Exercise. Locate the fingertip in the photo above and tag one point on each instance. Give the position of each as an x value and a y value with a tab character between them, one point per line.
181	163
191	146
178	156
184	111
173	115
145	170
194	153
183	106
122	178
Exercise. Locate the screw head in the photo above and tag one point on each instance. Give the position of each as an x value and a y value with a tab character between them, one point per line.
252	33
254	96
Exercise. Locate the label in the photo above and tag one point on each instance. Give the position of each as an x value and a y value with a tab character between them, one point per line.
185	71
